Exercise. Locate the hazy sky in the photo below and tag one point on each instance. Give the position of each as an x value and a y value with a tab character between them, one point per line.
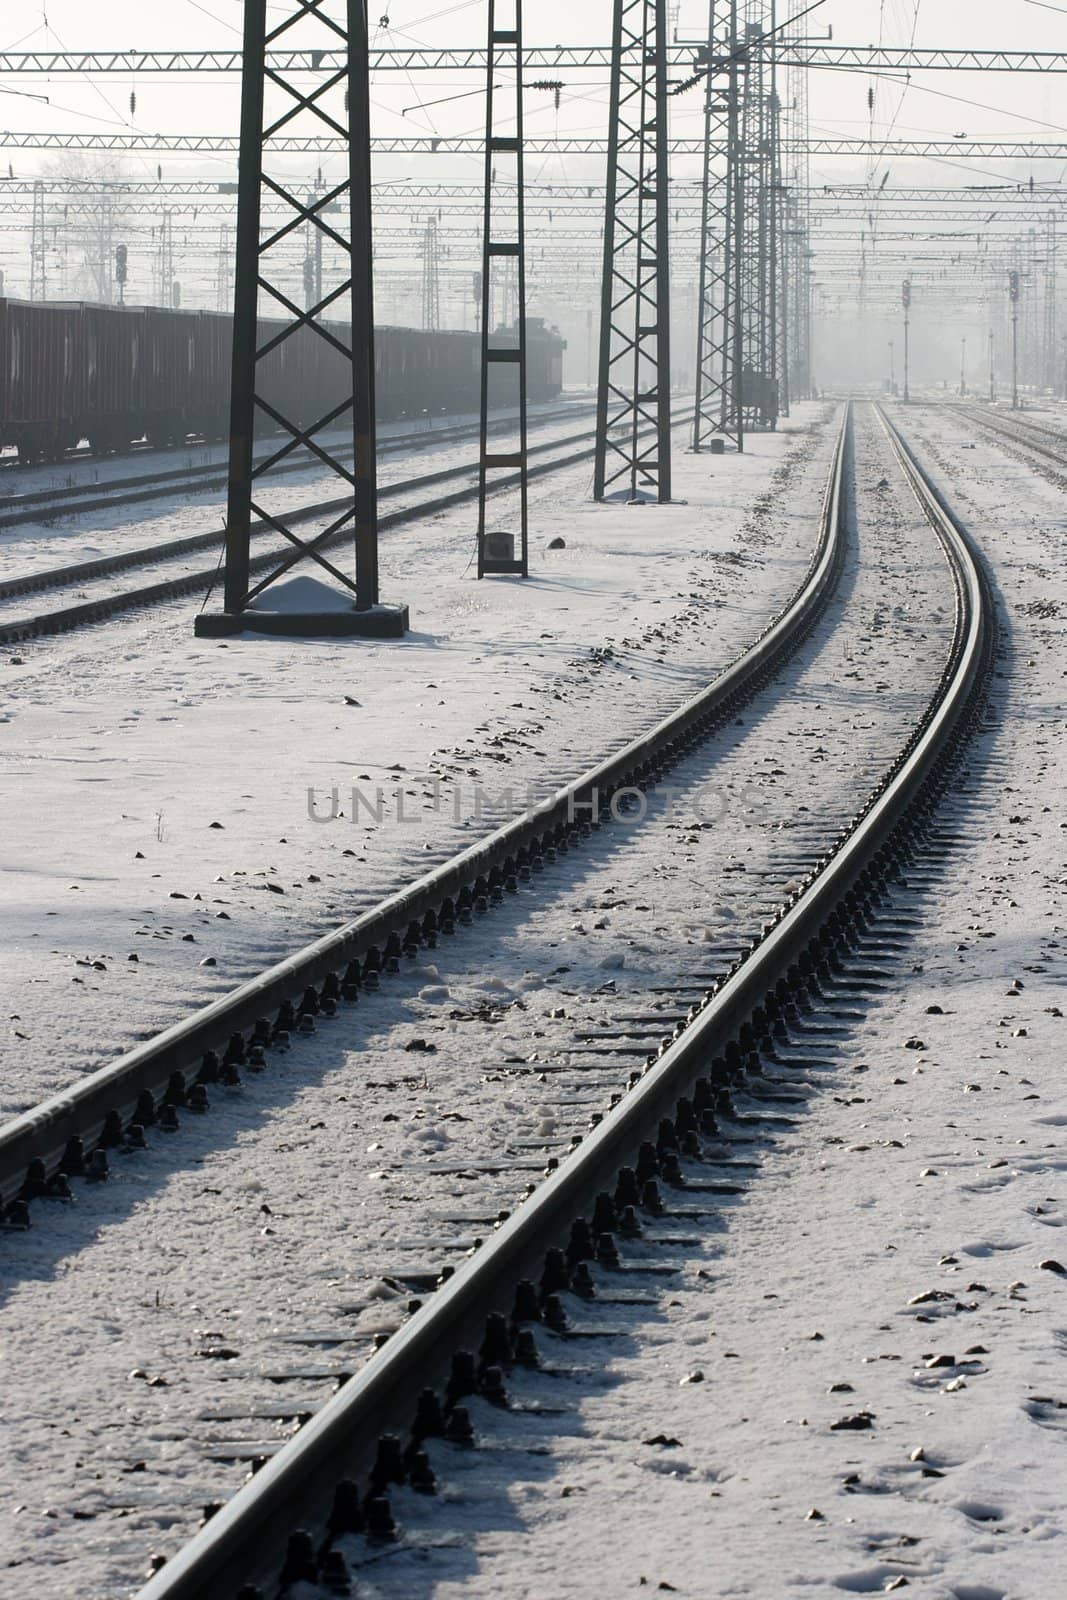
1022	106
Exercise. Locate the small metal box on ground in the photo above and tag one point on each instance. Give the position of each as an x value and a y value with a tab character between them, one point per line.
500	553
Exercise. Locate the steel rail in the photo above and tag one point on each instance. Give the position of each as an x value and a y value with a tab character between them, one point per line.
65	619
109	1097
80	571
245	1544
1021	432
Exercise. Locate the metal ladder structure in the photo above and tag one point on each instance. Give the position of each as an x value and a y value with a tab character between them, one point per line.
496	550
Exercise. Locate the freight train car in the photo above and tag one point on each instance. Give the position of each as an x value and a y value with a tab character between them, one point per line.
115	374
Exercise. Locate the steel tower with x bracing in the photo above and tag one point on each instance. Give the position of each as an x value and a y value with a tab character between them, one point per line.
717	403
759	190
338	103
633	426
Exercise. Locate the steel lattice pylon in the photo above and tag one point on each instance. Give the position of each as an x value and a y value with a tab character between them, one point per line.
431	278
717	404
796	227
1048	333
38	245
633	429
758	186
337	102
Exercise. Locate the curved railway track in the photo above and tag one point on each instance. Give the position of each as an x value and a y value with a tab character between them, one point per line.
284	1525
98	1114
289	1522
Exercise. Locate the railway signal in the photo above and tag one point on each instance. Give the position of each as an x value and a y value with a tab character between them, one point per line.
496	550
121	271
905	300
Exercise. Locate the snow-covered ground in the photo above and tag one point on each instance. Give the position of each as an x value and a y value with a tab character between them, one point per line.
157	784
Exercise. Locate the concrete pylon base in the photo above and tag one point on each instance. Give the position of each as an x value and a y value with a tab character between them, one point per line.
304	608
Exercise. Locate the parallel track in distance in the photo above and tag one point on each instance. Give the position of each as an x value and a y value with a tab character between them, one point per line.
86	612
72	500
1045	442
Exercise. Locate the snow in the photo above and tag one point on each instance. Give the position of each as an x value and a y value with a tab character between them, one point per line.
291	1225
304	594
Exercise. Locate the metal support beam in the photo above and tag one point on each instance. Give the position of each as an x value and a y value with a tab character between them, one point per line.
338	99
633	426
1040	196
865	150
504	355
537	58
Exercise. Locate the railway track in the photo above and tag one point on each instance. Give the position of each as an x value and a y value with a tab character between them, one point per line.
1045	442
672	1126
68	500
87	611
